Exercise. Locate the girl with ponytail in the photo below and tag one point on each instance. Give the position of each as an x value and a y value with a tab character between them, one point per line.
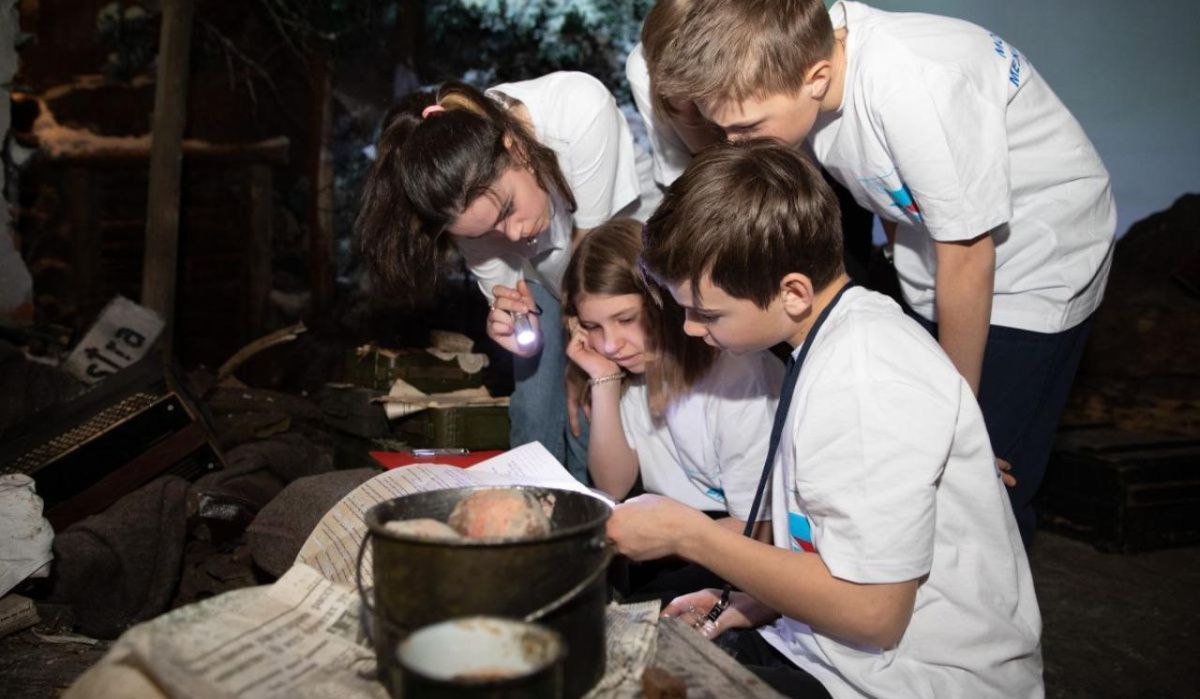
511	178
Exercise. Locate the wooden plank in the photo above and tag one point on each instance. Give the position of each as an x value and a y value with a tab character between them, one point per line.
258	257
272	150
320	216
710	673
85	243
170	111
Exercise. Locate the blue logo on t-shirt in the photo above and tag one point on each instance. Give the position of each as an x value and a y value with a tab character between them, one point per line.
1014	66
801	532
997	45
898	192
904	199
716	494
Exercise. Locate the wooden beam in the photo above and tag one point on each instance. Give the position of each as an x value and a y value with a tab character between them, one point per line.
170	112
118	149
86	246
321	184
258	248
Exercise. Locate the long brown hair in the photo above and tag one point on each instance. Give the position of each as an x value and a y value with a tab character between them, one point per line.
429	166
605	262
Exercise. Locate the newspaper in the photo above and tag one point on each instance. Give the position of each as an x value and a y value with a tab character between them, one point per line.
332	548
296	638
26	537
448	345
629	631
405	399
300	637
16	612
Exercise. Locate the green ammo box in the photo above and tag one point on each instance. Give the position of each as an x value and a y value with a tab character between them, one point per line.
379	368
469	427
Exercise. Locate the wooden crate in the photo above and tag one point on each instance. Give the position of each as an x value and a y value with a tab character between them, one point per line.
1123	491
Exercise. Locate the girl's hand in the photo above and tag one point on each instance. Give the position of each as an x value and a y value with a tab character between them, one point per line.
743	612
500	318
580	351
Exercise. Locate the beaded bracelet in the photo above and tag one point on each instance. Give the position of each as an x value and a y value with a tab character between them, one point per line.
605	379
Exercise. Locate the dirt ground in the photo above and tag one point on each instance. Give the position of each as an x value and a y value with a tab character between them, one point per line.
1114	626
1118	625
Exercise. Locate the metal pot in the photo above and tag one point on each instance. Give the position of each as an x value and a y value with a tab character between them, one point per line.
557	579
481	658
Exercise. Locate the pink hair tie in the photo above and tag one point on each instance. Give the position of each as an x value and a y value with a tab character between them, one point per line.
432	109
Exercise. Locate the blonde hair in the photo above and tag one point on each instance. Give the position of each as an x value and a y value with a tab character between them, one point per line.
738	49
658	28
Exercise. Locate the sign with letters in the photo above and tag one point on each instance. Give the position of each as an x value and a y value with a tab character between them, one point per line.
121	336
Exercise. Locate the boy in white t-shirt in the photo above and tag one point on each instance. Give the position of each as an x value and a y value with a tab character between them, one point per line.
686	421
998	206
897	566
676	130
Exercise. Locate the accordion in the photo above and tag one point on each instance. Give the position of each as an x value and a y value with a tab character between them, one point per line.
127	430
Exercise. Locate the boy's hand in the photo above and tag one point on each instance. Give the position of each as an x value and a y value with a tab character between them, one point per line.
500	318
652	526
743	612
1006	472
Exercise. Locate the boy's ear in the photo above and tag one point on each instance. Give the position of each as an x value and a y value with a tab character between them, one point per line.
796	291
818	79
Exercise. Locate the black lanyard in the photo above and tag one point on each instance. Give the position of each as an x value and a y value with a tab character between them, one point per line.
781	412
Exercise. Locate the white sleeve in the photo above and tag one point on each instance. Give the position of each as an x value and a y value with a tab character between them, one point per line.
490	265
669	153
740	422
600	162
869	459
950	147
634	413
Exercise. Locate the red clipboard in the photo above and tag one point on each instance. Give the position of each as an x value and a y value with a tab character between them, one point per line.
395	459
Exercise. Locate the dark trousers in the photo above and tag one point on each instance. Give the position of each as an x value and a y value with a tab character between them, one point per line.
751	650
1024	387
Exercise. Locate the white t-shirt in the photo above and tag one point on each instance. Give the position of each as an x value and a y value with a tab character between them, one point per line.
668	151
885	471
709	449
574	115
948	131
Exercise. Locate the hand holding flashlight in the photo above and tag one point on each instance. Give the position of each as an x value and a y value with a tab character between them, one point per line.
511	321
524	331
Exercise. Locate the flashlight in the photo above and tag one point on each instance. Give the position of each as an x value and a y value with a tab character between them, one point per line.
523	329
